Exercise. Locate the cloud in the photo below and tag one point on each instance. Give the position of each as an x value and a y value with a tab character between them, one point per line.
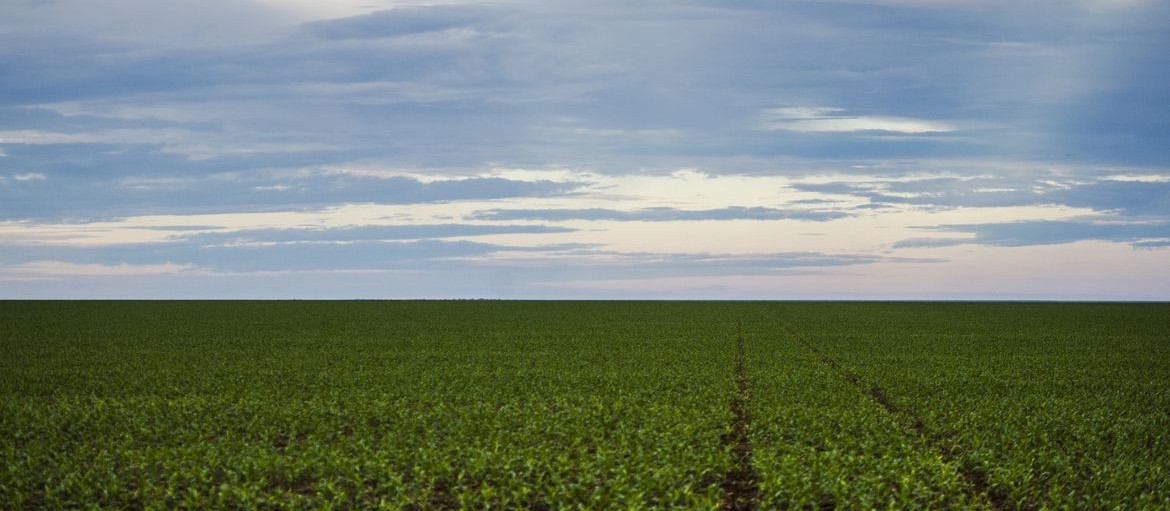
50	268
403	21
659	214
1046	232
421	248
1152	244
592	264
895	110
259	191
429	85
835	120
652	262
369	233
943	192
431	254
29	176
192	144
1128	198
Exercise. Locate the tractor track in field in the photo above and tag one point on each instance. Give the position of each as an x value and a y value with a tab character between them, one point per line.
741	485
977	485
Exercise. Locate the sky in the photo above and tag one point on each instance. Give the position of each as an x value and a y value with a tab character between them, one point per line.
865	149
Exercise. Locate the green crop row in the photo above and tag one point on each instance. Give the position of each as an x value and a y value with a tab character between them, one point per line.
581	405
820	443
1059	406
399	406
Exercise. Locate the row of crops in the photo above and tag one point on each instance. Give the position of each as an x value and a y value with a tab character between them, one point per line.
581	405
1057	406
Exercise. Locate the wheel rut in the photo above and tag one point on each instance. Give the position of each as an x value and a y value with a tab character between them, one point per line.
977	485
741	487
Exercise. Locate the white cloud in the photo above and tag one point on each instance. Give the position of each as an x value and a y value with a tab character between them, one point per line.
433	175
23	177
66	269
545	174
308	10
377	172
1143	178
34	137
167	137
834	120
194	145
273	188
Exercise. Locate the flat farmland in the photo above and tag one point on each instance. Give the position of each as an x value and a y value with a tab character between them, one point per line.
583	405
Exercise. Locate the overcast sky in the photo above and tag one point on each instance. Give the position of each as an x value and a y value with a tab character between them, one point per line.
891	149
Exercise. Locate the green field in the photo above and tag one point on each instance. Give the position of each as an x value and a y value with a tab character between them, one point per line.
584	405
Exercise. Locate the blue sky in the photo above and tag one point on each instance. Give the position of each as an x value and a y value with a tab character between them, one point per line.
901	149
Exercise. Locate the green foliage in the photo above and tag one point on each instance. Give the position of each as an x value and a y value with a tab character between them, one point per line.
579	405
415	405
821	444
1060	406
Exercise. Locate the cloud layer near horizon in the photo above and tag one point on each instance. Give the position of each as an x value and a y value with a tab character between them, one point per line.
584	149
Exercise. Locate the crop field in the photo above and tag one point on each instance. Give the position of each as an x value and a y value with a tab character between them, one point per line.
584	405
